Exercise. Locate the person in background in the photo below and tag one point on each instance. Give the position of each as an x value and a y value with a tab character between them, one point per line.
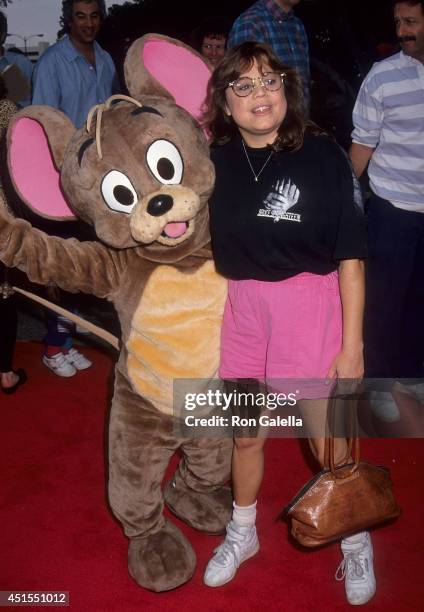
388	120
10	57
10	380
273	22
73	75
210	39
287	233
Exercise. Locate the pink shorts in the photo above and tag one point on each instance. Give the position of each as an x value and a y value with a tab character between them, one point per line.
279	330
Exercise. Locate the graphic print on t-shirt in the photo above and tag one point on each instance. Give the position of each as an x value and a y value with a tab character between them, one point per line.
284	195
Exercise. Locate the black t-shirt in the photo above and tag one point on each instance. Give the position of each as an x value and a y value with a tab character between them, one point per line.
300	216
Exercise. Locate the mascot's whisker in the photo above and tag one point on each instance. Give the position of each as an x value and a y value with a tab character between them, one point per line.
98	111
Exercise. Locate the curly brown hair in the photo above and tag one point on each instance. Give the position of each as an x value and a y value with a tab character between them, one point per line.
236	61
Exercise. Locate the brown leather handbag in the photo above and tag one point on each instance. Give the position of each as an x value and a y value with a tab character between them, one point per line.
341	501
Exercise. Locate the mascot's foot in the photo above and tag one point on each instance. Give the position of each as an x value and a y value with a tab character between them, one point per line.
161	561
209	512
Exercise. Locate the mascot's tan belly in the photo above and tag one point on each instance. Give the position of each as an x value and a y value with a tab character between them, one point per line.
175	331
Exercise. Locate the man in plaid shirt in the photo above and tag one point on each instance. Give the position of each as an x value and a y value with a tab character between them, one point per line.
274	22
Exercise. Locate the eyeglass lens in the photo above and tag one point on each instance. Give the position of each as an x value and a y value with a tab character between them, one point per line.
243	86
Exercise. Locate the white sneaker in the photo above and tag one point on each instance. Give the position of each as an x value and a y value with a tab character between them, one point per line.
357	568
59	365
416	390
77	360
384	406
240	544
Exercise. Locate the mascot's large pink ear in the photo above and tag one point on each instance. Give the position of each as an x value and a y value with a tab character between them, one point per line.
37	140
158	65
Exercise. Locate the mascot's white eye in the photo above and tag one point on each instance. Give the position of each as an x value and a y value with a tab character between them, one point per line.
118	192
165	162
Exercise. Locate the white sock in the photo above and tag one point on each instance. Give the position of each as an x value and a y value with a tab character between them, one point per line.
355	539
244	515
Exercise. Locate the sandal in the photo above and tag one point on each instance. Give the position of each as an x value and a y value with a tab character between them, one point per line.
22	378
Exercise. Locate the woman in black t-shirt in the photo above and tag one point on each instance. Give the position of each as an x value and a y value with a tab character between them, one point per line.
288	235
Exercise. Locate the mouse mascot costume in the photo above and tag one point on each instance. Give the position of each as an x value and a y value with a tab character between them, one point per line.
139	173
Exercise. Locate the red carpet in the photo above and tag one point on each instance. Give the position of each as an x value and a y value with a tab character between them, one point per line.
58	534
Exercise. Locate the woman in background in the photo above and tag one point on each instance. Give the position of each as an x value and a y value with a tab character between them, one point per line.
10	380
210	39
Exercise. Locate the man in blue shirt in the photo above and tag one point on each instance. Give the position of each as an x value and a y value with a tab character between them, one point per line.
274	22
76	73
8	58
73	75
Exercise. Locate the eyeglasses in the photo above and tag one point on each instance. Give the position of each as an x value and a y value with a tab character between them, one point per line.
244	86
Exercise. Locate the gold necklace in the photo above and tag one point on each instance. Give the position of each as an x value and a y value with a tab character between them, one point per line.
250	163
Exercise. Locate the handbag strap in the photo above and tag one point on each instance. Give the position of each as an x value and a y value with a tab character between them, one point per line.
352	441
330	441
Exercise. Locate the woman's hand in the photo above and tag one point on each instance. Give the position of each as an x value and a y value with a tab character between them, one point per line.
348	369
349	363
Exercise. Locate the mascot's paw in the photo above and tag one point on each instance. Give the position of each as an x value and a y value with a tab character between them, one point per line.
161	561
207	511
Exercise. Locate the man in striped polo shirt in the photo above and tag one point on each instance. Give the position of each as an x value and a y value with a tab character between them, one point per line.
273	22
389	134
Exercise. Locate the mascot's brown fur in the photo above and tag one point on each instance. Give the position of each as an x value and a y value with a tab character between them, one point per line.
140	174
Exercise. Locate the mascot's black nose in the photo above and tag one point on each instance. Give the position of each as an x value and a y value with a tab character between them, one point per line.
159	205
